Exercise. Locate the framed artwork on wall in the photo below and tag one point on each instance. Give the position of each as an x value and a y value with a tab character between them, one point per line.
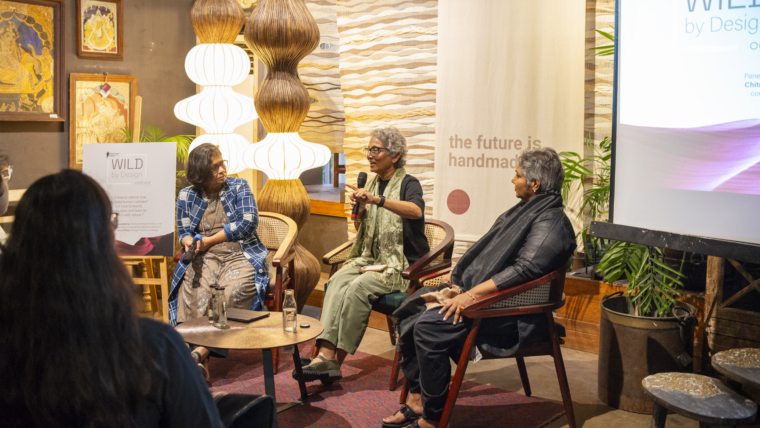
31	60
100	29
100	107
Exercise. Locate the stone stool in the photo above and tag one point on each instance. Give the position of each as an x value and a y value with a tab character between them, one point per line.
697	397
739	366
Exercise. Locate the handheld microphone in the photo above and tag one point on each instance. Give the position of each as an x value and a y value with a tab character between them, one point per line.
189	254
360	182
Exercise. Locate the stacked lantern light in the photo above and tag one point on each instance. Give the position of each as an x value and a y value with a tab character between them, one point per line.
217	65
281	33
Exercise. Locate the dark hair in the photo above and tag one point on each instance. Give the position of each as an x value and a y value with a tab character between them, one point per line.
72	353
198	170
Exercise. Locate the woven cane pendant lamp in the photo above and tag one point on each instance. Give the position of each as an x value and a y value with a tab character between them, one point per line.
281	33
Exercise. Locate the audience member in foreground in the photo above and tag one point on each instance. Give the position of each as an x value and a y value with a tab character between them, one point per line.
528	241
391	233
74	352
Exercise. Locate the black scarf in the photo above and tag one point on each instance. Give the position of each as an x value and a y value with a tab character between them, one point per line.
489	255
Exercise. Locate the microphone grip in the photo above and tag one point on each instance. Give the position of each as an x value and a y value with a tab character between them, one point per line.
355	212
189	254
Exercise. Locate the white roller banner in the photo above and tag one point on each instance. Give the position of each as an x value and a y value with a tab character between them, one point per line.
140	181
510	78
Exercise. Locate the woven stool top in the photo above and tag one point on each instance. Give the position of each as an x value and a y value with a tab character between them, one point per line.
699	397
741	365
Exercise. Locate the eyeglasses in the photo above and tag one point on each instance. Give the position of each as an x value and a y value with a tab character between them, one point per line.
7	172
223	164
374	151
115	220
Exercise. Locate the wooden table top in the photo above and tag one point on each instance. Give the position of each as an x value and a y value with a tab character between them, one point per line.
699	397
261	334
740	365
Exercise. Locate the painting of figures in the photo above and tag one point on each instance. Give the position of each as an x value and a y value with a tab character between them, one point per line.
100	109
99	29
29	73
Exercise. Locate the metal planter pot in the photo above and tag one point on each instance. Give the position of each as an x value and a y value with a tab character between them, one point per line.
632	348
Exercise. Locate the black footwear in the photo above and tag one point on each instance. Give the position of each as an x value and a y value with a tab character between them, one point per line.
408	414
322	369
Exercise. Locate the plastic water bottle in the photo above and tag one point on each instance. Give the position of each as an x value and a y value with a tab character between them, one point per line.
220	308
211	306
289	312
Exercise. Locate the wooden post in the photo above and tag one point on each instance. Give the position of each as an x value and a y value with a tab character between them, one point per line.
137	111
713	297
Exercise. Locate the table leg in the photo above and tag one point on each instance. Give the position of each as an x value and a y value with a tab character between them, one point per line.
299	372
659	415
269	379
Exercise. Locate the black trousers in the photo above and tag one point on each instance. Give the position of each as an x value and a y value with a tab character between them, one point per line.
425	351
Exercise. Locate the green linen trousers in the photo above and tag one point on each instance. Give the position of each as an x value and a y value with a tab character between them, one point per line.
347	305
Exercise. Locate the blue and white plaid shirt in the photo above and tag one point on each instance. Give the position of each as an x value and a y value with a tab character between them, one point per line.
243	214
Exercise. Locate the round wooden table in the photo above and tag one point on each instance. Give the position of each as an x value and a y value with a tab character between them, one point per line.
741	366
698	397
263	334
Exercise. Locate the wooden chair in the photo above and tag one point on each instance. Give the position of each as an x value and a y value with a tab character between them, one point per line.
440	237
541	296
278	234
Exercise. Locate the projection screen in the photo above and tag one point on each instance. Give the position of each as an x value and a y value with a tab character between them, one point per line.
687	118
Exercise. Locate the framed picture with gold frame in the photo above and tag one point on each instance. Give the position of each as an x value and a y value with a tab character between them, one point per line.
100	107
32	85
100	29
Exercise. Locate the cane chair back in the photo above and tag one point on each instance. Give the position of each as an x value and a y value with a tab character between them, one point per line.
435	234
273	230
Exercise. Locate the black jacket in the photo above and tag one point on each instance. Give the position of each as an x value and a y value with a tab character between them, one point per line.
548	243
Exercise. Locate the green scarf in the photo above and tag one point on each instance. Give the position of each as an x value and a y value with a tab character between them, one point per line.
380	238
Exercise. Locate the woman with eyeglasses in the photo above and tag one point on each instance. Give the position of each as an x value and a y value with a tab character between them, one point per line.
230	255
390	234
74	351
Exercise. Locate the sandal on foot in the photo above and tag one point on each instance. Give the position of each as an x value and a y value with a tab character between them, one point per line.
322	369
409	416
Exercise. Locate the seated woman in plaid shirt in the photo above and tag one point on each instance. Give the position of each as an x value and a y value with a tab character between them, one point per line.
230	255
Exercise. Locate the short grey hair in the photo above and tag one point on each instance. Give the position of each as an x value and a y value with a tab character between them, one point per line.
543	165
393	141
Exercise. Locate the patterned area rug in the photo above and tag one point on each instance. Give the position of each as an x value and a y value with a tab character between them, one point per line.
361	399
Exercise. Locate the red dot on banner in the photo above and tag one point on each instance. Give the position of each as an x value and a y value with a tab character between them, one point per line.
458	202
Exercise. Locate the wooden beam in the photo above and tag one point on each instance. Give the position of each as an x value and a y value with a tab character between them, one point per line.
713	297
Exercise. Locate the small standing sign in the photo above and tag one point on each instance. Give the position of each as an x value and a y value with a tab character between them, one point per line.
140	181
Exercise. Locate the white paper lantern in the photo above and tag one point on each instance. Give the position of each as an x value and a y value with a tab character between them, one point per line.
284	156
229	144
218	109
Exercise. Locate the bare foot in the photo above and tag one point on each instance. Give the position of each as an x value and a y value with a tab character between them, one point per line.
424	423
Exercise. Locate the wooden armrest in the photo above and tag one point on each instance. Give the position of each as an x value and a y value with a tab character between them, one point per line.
416	271
286	252
498	296
277	262
333	253
178	255
517	310
434	275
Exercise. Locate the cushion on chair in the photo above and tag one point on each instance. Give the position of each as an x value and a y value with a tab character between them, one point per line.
394	299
